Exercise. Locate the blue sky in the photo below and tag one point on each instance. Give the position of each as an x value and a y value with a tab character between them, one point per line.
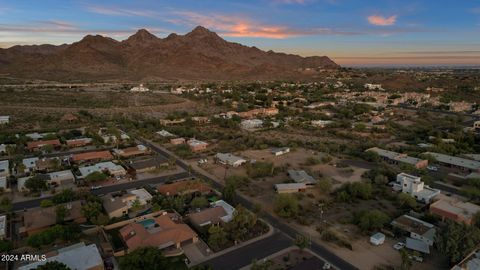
352	32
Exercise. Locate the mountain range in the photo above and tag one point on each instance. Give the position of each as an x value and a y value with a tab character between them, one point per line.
199	55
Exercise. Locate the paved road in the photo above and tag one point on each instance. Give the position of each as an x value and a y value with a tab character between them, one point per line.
284	228
107	189
244	256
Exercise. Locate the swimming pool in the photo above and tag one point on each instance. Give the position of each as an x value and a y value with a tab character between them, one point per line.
147	223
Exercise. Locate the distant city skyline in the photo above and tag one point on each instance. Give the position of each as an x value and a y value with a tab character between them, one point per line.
352	33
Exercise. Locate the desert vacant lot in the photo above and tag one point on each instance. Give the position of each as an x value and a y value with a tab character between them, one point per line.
83	99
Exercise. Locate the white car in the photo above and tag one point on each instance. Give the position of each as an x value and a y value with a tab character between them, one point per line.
432	168
399	245
326	266
95	187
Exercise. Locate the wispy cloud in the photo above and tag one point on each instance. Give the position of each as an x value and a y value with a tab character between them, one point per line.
381	20
289	1
119	11
475	10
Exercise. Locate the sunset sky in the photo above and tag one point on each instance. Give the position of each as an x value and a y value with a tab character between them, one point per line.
352	32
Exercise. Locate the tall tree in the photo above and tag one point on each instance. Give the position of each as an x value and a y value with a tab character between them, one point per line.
217	237
144	258
457	240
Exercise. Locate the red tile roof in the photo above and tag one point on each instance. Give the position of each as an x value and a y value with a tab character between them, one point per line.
166	234
99	155
38	144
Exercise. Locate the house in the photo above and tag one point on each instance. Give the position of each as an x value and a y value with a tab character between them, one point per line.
200	119
4	184
92	156
37	145
21	184
290	187
132	151
418	229
165	231
141	195
230	210
36	220
417	245
259	112
476	125
250	124
108	167
456	210
301	176
196	145
4	168
168	122
3	149
280	151
36	136
207	217
139	88
397	158
61	178
463	164
229	159
177	141
117	206
4	119
184	187
320	123
165	133
30	164
3	227
77	256
79	142
146	165
371	86
377	239
470	262
47	164
413	186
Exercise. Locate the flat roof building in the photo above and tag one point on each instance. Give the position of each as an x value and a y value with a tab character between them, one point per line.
456	162
413	186
290	187
92	156
301	176
78	256
110	167
456	210
230	210
417	228
396	158
230	159
4	168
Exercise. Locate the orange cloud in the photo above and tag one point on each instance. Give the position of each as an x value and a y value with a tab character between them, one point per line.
241	26
381	20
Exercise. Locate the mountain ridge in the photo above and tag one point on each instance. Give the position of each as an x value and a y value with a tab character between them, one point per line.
198	55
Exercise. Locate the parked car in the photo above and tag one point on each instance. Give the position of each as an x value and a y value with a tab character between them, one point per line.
326	266
95	187
432	168
399	245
